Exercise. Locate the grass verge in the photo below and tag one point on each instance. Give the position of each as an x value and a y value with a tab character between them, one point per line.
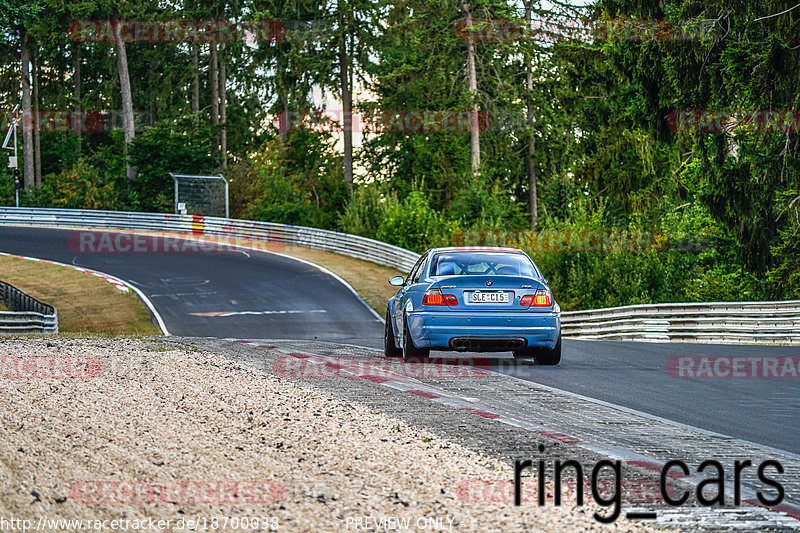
85	303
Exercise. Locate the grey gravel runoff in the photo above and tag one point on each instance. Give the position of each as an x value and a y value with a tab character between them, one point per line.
141	429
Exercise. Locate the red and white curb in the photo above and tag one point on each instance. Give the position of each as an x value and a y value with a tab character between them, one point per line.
783	512
116	282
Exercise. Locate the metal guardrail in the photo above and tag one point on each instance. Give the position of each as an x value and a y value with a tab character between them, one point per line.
724	322
754	322
334	241
27	314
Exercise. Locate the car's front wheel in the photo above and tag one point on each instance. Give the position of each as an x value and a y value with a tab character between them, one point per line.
409	350
390	349
543	356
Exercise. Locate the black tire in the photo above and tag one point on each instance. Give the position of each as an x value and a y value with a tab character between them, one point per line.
543	356
550	357
409	350
390	349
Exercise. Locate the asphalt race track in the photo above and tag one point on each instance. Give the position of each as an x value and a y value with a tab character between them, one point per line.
258	295
634	375
273	296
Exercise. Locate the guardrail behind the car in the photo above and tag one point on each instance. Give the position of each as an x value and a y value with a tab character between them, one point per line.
27	314
334	241
724	322
755	322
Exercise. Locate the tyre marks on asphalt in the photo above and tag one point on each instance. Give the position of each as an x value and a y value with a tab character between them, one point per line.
239	313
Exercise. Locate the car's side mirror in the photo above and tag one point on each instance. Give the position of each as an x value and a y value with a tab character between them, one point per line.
397	281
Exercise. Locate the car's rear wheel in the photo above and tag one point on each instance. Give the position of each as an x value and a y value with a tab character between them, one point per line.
390	349
543	356
409	350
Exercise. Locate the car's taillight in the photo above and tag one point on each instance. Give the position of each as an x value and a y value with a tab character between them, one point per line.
540	299
435	297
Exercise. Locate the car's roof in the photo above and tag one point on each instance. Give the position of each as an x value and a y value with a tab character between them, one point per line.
495	249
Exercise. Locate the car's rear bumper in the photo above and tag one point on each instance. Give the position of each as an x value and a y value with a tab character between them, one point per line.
436	329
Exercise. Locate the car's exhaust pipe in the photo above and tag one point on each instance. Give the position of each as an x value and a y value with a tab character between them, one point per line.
462	344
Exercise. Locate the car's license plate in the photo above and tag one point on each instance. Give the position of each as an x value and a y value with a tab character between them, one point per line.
490	297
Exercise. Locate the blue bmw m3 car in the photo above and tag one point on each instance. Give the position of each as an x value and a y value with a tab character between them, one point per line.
473	299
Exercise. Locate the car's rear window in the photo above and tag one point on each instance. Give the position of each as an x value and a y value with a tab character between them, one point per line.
477	263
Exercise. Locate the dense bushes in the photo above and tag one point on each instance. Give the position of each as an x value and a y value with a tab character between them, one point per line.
366	211
413	224
169	146
298	182
80	187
